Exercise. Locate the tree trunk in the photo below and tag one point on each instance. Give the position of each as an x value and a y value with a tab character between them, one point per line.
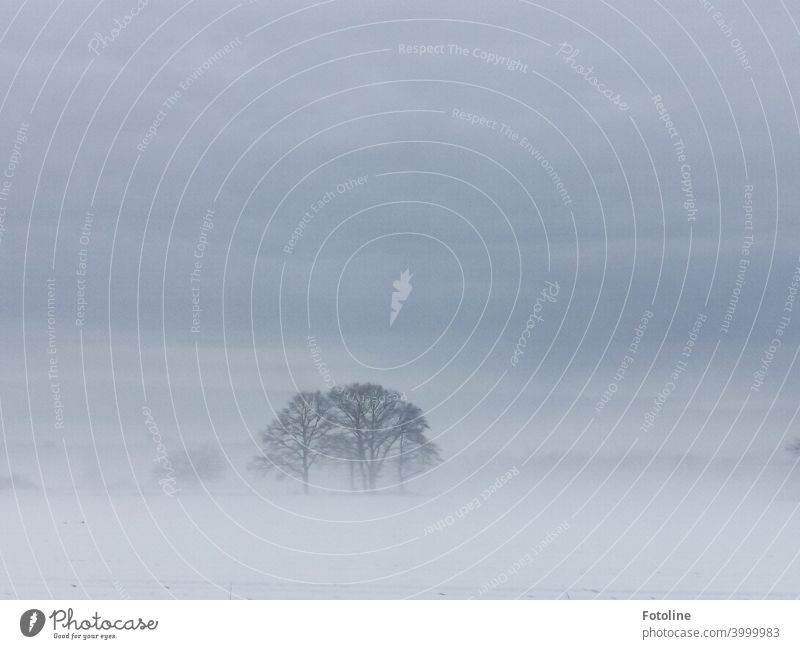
362	469
400	459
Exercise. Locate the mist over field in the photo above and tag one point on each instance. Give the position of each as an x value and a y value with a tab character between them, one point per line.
395	300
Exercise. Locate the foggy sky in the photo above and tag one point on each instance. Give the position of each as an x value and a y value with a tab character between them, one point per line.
307	99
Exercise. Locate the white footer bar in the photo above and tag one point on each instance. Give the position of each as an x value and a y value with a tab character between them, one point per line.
399	624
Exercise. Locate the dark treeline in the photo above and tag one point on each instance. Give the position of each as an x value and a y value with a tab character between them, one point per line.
363	428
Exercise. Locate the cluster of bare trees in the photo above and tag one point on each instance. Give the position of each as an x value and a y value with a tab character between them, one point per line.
362	427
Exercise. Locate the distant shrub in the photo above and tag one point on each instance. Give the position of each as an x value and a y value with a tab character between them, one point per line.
195	464
15	482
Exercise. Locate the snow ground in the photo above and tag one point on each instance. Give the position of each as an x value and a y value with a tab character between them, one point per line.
562	527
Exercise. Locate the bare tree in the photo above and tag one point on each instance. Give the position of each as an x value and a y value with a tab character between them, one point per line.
365	413
341	448
381	426
362	424
350	416
415	452
297	438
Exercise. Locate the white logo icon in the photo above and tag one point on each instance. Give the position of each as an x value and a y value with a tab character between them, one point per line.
31	622
402	289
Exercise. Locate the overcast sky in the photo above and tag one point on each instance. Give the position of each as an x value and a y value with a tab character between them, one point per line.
488	148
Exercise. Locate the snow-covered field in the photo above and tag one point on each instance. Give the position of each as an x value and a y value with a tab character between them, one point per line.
550	528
